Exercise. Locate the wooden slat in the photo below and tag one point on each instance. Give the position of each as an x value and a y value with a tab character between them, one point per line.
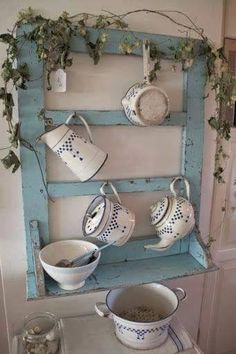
134	249
35	199
111	118
36	246
70	189
194	145
117	36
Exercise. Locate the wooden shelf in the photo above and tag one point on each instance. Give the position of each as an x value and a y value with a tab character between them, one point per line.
111	275
131	263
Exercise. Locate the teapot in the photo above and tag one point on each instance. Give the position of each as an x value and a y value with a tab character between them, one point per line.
172	216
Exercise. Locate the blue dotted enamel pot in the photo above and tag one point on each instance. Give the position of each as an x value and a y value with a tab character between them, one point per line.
142	313
80	155
107	220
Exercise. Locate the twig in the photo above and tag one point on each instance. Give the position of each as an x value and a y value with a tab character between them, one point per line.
29	146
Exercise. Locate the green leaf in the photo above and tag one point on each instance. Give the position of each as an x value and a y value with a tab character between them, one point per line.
214	123
11	160
7	38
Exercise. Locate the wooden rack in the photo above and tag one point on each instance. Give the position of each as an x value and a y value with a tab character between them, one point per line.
131	263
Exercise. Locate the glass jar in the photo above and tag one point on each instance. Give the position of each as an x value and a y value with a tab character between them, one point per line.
41	334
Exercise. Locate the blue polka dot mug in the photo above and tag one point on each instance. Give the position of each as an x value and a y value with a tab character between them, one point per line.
79	154
172	216
108	220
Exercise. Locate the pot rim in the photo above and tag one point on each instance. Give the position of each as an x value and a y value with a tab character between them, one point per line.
147	322
166	211
52	130
107	203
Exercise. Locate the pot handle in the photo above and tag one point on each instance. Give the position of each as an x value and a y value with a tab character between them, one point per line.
187	186
102	310
74	115
146	61
113	189
182	294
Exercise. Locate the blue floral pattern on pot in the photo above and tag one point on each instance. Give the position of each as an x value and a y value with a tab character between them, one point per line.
140	333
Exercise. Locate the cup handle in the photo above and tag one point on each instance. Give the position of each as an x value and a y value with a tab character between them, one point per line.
102	310
146	61
113	189
74	115
187	186
182	294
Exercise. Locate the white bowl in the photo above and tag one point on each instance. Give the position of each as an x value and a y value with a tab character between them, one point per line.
68	278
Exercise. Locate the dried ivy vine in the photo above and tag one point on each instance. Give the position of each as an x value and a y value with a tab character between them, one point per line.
53	37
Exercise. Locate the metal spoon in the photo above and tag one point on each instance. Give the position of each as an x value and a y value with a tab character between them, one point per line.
81	260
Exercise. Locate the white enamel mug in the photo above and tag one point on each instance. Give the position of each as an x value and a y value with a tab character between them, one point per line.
83	157
155	299
146	104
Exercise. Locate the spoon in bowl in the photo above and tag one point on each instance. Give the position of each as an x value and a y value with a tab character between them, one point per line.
81	260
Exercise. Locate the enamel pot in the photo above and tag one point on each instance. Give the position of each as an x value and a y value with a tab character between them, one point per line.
172	216
145	104
107	220
141	313
83	157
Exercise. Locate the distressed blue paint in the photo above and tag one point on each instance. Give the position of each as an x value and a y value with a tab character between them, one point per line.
31	285
36	246
108	276
70	189
185	79
117	36
134	250
111	118
195	129
35	200
198	251
130	264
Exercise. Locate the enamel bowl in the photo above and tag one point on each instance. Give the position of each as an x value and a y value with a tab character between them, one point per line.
68	278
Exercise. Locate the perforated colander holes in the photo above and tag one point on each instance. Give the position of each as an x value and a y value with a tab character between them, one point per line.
166	230
67	146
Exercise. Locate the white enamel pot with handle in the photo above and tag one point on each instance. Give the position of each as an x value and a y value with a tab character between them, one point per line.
172	216
79	154
146	104
107	220
141	313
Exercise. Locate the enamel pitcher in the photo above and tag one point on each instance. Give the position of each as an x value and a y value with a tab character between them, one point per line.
79	154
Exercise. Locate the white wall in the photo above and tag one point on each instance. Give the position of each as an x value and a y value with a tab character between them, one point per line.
208	14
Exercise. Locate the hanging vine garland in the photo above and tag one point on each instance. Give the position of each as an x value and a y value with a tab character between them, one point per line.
52	39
